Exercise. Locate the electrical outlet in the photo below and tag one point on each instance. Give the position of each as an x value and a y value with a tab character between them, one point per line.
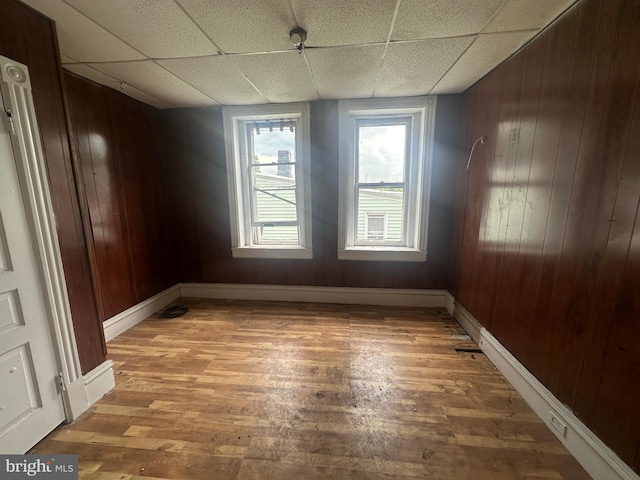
558	424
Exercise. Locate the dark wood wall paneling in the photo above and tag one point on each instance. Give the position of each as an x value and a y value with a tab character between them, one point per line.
29	38
118	146
548	231
194	142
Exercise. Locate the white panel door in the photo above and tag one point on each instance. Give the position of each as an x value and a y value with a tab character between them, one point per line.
30	403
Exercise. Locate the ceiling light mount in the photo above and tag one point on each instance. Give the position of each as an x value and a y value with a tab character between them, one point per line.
298	36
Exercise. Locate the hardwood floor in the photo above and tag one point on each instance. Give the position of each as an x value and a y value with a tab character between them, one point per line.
255	390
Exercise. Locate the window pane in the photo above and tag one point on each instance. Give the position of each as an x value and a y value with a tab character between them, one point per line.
271	148
274	203
375	226
274	211
270	234
381	153
383	202
274	208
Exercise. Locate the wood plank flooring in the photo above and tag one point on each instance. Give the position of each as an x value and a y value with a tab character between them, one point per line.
256	390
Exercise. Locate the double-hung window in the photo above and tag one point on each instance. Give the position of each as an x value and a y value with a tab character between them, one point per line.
267	149
385	163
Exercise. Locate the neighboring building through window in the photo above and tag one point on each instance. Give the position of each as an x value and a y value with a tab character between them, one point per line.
267	148
385	163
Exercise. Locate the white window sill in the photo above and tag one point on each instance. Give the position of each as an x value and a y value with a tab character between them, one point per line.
382	254
278	252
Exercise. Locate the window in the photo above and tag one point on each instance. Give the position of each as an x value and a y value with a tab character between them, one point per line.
385	164
375	226
267	148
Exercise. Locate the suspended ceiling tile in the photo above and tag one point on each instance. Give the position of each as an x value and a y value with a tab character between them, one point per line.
64	59
218	77
330	22
86	71
413	68
526	14
480	58
249	26
82	39
280	77
157	28
156	81
345	72
418	19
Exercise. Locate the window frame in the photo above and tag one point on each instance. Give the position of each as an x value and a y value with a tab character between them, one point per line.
421	110
367	218
236	119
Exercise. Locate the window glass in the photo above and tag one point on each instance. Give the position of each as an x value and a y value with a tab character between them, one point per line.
381	173
375	226
386	201
382	153
273	184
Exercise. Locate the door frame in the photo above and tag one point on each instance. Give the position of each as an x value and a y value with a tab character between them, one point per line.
78	391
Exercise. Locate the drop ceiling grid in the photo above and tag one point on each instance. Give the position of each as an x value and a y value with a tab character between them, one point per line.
243	27
157	28
405	71
345	72
90	73
281	77
98	67
213	75
331	23
525	15
178	42
480	58
419	20
155	80
97	44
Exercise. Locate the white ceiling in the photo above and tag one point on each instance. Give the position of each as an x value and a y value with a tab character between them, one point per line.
192	53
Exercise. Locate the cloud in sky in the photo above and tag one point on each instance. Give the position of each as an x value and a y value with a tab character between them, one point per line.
381	153
268	143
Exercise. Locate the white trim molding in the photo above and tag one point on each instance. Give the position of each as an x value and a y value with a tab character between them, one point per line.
595	457
449	303
291	293
99	381
16	90
464	318
122	322
90	388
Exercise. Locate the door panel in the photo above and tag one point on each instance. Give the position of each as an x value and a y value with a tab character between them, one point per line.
20	389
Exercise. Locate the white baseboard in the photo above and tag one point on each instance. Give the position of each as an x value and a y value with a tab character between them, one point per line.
122	322
466	321
596	458
85	391
75	398
290	293
449	303
99	381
